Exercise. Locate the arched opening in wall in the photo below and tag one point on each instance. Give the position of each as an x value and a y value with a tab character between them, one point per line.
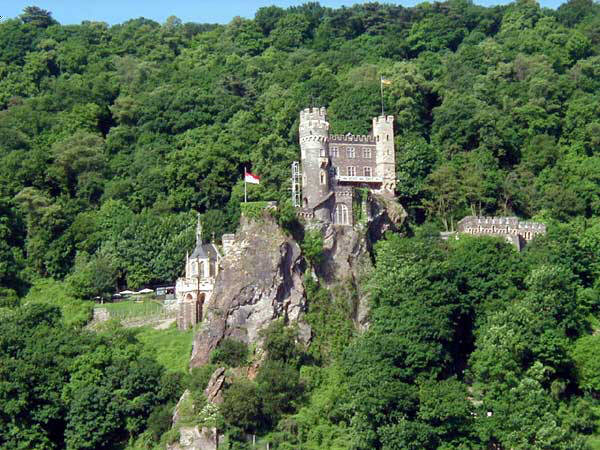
305	201
340	215
189	297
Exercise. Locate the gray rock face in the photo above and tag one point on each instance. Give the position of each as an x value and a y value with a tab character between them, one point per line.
260	281
194	438
214	390
347	249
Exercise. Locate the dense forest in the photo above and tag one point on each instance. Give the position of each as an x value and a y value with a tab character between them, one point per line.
112	138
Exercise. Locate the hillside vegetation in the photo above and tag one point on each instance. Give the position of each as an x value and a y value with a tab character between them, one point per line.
113	137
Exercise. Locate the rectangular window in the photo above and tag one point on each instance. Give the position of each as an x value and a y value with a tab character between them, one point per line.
323	154
367	153
334	152
367	172
351	171
350	152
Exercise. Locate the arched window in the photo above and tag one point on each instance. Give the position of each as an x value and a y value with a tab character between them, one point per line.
201	270
340	215
194	268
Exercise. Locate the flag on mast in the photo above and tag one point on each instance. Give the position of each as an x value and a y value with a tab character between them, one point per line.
251	178
385	81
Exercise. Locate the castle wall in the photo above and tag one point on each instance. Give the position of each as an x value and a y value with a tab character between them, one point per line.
516	232
343	160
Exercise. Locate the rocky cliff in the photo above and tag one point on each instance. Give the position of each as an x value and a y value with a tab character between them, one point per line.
347	251
260	280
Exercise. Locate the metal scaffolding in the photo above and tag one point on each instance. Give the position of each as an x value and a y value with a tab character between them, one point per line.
296	184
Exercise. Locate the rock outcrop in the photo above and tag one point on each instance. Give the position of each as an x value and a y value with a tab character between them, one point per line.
260	280
347	251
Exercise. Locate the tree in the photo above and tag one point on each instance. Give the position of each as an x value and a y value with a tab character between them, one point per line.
37	17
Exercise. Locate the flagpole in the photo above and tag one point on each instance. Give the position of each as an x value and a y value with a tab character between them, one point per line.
245	190
381	87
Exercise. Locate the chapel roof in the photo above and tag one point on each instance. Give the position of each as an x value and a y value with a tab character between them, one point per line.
205	251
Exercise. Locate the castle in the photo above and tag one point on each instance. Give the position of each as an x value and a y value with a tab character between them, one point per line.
193	291
511	228
333	165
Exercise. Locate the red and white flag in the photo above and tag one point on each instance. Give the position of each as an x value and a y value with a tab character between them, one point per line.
251	178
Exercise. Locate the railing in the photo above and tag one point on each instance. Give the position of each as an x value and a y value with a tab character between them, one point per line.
359	179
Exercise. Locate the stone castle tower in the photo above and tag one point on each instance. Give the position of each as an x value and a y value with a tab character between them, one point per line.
334	165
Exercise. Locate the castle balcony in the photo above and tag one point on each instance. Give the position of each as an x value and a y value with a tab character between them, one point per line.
358	179
193	284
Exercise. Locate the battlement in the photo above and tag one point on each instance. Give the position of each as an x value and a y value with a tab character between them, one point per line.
500	226
312	138
351	138
383	120
313	114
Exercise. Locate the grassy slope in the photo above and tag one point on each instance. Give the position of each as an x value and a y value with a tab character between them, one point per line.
170	347
75	312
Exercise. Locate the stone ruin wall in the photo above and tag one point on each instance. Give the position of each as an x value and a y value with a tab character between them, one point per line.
500	226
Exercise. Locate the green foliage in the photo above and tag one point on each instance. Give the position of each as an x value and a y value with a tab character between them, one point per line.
253	210
171	348
586	361
200	376
280	343
230	352
312	247
242	406
70	386
329	316
75	312
159	421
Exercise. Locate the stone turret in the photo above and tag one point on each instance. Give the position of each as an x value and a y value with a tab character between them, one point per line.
314	136
383	130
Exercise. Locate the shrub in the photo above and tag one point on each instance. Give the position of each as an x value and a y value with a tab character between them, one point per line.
200	376
230	352
312	247
159	420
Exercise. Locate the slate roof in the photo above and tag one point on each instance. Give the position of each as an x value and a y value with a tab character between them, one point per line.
205	251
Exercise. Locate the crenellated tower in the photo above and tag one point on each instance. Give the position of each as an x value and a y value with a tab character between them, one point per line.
383	130
314	136
335	166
